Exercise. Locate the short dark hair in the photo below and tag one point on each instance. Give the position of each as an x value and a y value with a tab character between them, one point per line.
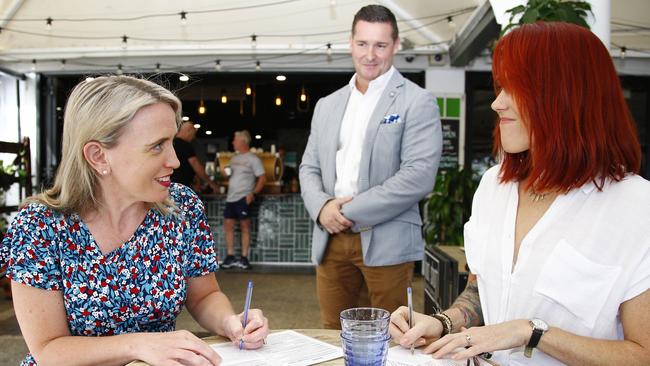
376	14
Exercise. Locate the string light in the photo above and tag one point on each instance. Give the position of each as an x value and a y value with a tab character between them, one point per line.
34	65
280	78
224	97
329	52
258	137
208	132
183	17
184	78
248	89
201	107
197	125
278	101
48	24
258	66
623	51
63	64
119	69
303	95
450	22
217	65
185	118
124	41
253	41
158	68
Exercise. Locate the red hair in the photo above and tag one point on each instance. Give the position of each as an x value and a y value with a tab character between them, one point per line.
563	81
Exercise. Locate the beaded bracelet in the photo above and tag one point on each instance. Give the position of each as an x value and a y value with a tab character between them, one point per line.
447	325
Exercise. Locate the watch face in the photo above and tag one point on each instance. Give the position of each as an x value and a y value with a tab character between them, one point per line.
540	324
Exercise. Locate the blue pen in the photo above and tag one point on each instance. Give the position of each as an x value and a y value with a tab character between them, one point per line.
247	305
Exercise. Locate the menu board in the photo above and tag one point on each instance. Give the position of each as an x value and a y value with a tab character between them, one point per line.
450	135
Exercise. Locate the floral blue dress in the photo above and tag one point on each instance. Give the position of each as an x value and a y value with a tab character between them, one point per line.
138	287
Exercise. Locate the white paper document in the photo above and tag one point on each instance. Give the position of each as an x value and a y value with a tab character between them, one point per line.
286	348
399	356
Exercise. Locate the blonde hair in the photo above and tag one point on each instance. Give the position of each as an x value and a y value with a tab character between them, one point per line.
245	136
98	110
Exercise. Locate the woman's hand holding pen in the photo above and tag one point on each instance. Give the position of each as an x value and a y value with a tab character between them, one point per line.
425	328
255	332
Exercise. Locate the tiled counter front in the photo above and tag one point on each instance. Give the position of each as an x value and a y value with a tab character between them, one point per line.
281	229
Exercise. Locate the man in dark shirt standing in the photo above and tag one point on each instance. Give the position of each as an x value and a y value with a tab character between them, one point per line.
190	163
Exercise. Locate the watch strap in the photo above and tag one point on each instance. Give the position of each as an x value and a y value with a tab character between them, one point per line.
532	343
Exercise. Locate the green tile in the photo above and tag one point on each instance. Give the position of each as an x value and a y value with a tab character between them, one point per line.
441	106
453	107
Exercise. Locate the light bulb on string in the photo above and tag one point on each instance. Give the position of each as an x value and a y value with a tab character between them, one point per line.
451	23
119	69
48	24
157	68
183	14
63	64
33	65
253	41
258	66
184	78
623	52
303	95
124	41
217	65
224	97
201	107
278	101
248	89
329	52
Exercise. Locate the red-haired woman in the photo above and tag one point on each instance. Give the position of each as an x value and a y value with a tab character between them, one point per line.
559	239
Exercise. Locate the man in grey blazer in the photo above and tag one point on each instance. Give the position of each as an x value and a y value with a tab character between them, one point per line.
372	155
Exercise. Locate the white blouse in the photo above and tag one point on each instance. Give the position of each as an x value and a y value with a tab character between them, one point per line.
589	253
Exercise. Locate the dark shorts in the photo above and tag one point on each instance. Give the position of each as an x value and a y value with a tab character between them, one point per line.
237	210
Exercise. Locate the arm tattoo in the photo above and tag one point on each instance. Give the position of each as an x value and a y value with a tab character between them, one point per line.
469	304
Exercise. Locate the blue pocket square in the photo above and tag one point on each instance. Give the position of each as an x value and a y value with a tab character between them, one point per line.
391	118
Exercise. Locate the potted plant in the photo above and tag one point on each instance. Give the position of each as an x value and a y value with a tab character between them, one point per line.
550	11
448	207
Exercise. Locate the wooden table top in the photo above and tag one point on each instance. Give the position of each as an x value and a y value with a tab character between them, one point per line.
331	336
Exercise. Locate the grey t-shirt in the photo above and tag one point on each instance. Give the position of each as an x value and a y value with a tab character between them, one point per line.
245	170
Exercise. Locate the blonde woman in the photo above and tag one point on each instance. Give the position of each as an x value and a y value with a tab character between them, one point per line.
106	259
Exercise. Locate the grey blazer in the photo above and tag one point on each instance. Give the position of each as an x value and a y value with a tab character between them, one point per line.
399	161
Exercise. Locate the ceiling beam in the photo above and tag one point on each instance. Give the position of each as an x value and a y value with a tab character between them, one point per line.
12	9
479	30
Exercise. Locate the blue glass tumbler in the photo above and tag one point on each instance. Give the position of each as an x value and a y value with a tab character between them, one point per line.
368	351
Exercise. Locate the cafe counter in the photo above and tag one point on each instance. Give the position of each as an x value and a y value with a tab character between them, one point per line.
281	228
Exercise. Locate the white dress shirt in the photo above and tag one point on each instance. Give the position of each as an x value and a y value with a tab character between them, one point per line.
589	253
353	131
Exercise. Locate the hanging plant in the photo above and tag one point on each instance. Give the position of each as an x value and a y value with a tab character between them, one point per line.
550	11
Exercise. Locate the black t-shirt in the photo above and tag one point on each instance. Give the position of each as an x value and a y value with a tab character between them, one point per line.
184	174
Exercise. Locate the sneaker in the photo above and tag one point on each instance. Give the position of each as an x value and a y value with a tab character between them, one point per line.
230	262
244	264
